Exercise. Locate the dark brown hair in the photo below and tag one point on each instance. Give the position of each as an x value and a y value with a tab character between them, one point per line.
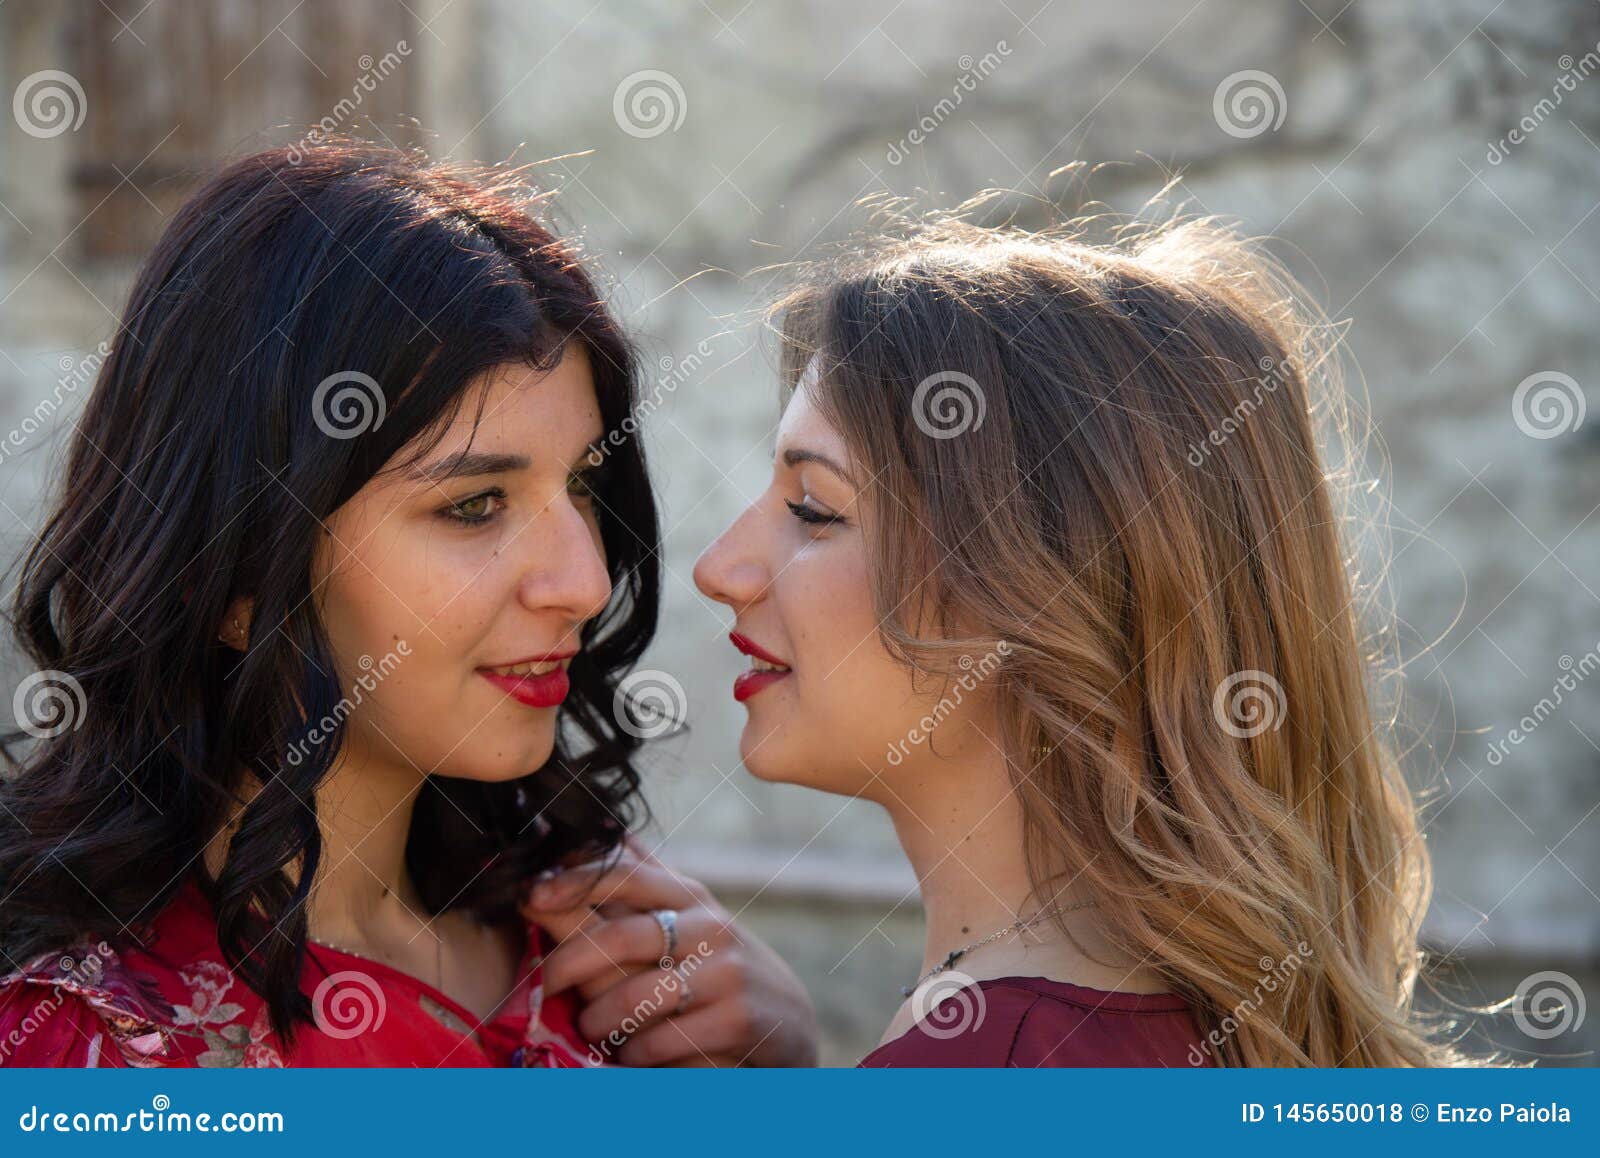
203	470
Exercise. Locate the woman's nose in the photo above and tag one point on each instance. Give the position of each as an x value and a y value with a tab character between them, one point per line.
729	570
568	571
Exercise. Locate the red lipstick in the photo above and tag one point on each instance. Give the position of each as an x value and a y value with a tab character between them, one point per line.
536	691
754	680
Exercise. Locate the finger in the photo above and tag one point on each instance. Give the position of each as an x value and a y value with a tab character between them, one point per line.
640	884
561	924
702	1034
626	944
625	1009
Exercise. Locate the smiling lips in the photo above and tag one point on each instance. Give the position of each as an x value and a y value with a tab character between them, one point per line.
539	681
765	670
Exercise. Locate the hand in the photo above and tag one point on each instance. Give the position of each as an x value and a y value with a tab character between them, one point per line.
746	1006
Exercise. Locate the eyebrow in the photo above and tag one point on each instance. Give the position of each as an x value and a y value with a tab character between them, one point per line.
464	463
796	455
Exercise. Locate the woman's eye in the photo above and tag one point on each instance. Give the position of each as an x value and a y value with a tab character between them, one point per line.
810	514
475	511
585	484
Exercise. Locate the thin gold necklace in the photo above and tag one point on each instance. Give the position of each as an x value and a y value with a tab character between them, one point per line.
1015	927
438	957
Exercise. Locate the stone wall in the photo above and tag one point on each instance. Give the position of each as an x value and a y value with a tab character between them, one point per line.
1432	169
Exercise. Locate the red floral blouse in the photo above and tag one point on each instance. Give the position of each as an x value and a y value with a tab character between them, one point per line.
172	1001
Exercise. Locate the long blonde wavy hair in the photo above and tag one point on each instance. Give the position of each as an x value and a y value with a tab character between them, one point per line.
1117	450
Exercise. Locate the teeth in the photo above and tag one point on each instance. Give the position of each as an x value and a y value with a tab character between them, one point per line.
763	665
525	669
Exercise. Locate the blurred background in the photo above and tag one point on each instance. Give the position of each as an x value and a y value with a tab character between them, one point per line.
1432	170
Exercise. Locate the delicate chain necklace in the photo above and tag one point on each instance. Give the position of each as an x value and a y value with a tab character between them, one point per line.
1015	927
438	956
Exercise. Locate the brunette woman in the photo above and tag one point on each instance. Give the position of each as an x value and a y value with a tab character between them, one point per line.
328	625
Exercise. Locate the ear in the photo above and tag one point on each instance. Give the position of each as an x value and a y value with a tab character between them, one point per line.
235	631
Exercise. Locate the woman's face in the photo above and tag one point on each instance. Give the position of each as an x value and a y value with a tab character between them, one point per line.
455	594
845	716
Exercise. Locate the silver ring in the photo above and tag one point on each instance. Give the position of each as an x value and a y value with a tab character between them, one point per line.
668	920
687	995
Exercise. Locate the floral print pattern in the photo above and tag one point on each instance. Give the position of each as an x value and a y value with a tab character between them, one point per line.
98	1007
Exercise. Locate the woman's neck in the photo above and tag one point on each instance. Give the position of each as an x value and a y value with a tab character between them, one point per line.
961	826
363	893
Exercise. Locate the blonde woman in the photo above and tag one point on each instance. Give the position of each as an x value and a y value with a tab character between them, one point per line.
1051	568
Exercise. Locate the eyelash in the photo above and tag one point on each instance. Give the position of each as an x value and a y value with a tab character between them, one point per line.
811	515
453	511
584	485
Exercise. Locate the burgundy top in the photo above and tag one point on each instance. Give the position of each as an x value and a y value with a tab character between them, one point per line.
1032	1022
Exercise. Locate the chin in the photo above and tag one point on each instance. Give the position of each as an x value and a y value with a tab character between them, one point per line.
490	762
774	763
